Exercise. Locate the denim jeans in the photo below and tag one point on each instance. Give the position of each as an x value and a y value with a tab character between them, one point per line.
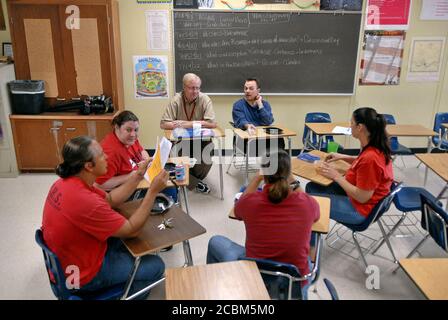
341	209
222	249
117	266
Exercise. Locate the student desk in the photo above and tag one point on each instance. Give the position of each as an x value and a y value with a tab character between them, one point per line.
394	130
430	276
261	134
319	227
219	135
151	239
308	170
437	162
237	280
144	184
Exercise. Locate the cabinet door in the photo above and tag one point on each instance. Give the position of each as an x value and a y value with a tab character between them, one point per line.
88	47
36	144
96	129
38	47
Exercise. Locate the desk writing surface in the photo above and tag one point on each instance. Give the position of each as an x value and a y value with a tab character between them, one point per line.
218	133
437	162
237	280
430	276
409	130
144	184
320	226
261	134
321	128
308	170
151	239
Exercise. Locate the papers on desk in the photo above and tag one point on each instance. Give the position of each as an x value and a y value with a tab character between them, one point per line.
160	158
342	130
188	133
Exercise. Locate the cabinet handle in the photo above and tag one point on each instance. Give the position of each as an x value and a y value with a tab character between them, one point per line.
70	129
55	129
60	99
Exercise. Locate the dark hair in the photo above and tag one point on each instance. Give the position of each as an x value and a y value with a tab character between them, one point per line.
76	152
123	117
376	125
256	81
279	188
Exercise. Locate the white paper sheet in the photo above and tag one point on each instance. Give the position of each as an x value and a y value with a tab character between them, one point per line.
157	34
342	130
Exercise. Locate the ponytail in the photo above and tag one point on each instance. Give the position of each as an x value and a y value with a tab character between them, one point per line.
76	152
279	163
376	126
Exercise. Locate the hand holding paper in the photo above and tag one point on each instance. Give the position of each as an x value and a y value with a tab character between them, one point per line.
160	158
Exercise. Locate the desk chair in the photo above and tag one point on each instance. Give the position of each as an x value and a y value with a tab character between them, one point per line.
397	148
407	201
236	151
56	276
339	229
440	142
435	221
310	139
283	280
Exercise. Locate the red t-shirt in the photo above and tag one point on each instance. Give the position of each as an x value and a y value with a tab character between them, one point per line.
77	221
279	232
121	159
370	172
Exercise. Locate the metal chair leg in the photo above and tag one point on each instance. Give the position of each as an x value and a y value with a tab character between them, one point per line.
386	238
389	234
359	249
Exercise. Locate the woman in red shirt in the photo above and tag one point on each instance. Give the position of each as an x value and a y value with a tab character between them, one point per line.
278	219
370	175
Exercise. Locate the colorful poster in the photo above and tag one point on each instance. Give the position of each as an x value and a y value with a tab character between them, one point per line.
150	77
387	14
382	57
425	61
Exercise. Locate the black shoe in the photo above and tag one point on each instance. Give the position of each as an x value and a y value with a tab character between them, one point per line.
202	187
166	249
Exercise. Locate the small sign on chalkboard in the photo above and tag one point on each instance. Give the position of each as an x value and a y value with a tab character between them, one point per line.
186	4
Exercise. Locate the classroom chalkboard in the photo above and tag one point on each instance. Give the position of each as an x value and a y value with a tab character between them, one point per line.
290	52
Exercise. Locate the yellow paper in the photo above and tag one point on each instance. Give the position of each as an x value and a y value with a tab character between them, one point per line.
156	165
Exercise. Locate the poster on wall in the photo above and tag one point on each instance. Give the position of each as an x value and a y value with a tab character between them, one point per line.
382	57
157	35
434	10
387	14
426	57
150	77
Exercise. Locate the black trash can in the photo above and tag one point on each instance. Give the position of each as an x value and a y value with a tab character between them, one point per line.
27	96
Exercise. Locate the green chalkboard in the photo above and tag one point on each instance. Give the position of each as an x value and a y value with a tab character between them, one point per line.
290	52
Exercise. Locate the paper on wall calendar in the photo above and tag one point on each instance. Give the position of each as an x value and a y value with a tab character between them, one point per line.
157	34
160	158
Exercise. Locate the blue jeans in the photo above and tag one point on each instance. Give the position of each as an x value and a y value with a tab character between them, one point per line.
341	209
222	249
117	266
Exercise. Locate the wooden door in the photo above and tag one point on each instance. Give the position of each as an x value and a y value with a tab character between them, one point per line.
36	144
37	46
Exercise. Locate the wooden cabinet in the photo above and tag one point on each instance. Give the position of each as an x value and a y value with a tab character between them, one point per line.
39	142
72	45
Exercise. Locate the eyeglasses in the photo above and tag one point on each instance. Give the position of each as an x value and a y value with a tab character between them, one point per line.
193	88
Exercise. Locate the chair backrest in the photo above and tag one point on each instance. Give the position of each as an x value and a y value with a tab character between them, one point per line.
439	118
380	208
315	117
435	221
394	145
55	272
282	280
